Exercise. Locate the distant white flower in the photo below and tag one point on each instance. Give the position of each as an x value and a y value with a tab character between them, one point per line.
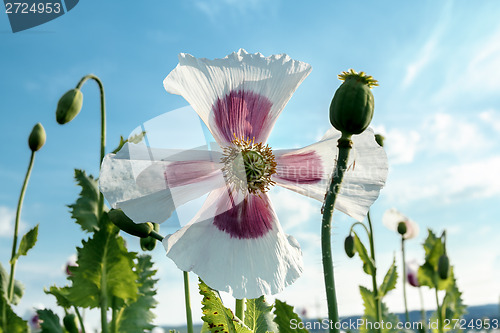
412	273
392	218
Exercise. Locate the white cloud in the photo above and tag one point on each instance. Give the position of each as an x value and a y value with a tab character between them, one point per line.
491	117
401	145
7	221
447	133
216	8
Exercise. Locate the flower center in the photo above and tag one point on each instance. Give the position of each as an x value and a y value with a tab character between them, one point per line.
249	166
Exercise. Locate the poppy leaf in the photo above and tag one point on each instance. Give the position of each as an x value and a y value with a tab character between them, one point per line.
258	316
85	209
104	269
216	315
50	322
283	318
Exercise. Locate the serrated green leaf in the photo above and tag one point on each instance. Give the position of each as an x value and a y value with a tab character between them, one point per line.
452	302
61	295
85	210
104	269
370	314
219	318
390	280
434	248
4	285
50	322
369	303
368	265
133	139
27	243
138	316
9	321
287	320
258	316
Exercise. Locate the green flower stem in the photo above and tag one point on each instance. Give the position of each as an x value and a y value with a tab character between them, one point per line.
189	316
404	279
361	224
16	229
345	145
103	127
104	305
378	301
240	304
156	235
439	313
80	319
422	310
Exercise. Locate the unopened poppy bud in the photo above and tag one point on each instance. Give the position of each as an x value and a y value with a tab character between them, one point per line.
70	323
443	267
69	106
349	246
149	243
122	221
402	228
37	137
380	139
351	110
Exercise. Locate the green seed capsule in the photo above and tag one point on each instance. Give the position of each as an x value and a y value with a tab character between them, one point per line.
118	217
70	323
69	106
402	228
444	267
349	246
380	139
351	110
149	243
37	137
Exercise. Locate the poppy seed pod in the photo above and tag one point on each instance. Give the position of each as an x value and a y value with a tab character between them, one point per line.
349	246
70	323
69	106
118	217
351	110
37	137
402	228
149	243
443	267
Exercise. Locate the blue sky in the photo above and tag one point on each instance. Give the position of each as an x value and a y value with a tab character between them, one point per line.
438	64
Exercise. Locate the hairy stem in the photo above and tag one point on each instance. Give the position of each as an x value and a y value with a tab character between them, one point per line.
103	128
407	316
439	313
422	310
187	297
378	301
16	229
80	319
239	310
345	145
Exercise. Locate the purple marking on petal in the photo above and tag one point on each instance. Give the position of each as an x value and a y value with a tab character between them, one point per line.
302	168
251	218
243	113
189	172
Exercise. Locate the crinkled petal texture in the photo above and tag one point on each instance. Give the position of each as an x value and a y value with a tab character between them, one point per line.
391	219
241	95
149	184
308	171
242	250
